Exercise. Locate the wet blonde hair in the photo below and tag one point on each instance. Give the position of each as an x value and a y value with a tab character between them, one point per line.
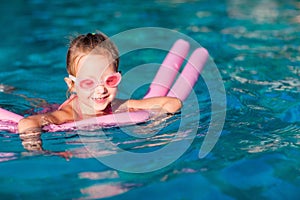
91	43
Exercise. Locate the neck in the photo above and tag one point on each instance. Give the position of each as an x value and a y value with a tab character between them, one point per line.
83	115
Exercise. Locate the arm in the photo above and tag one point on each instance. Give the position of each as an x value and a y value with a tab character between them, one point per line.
38	121
30	131
164	104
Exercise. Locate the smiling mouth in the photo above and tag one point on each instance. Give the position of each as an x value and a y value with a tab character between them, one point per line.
99	99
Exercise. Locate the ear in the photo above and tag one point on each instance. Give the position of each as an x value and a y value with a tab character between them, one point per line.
70	84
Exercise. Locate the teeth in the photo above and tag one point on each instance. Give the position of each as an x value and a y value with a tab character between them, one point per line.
98	98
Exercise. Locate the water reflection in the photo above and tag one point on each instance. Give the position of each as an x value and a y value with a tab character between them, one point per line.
111	186
98	191
110	183
261	12
7	156
291	84
110	174
32	142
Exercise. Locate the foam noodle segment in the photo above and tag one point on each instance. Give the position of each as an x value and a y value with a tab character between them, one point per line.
117	119
9	121
168	70
159	87
189	75
9	116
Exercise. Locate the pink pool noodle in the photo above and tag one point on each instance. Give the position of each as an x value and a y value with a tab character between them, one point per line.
166	74
9	116
117	119
9	121
189	75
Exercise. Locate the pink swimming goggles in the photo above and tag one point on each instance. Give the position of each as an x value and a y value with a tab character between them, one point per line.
111	81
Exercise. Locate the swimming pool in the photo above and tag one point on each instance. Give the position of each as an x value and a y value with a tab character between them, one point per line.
255	45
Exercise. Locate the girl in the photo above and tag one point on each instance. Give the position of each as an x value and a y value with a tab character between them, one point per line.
92	64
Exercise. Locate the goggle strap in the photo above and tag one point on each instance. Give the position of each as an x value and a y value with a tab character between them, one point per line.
73	78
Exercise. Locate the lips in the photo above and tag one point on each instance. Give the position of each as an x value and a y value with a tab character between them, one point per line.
100	99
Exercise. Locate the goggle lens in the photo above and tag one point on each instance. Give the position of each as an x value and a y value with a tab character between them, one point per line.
89	83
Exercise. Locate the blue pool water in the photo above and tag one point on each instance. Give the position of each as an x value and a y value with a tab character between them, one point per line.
256	47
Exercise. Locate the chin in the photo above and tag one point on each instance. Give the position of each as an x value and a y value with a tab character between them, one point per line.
100	109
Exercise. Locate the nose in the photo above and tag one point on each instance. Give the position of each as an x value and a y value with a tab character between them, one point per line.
101	89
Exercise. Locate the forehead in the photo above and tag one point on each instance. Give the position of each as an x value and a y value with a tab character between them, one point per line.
94	65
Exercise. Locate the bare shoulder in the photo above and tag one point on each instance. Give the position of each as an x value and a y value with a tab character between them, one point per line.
64	115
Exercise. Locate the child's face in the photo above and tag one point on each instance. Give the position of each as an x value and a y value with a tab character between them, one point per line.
93	93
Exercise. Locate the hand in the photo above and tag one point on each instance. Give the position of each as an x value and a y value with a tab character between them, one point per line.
65	154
